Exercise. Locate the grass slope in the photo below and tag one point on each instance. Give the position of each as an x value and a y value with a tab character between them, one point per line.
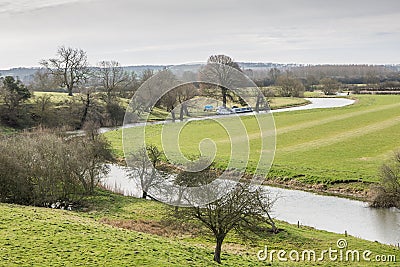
330	146
31	236
4	130
285	102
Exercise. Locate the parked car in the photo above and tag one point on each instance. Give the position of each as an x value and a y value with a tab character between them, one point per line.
223	111
242	110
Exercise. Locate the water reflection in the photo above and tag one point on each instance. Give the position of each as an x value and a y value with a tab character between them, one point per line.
322	212
337	215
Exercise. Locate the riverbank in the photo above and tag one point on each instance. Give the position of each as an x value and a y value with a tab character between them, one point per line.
357	191
322	211
276	103
123	231
332	151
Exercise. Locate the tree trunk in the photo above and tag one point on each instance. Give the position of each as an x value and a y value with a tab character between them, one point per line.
224	97
258	104
218	249
85	111
271	222
69	90
173	116
181	113
144	194
186	111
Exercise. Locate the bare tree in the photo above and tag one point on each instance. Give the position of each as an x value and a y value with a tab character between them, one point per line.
289	86
87	101
166	80
184	93
92	151
112	77
220	70
243	209
132	84
144	163
44	81
43	106
198	172
329	86
146	74
169	101
70	66
274	74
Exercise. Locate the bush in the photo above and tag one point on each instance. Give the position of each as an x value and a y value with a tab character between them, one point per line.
387	194
290	87
41	168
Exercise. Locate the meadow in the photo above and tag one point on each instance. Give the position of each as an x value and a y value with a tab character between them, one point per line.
336	147
125	231
342	146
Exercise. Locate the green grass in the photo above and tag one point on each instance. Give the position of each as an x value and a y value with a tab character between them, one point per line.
331	146
314	94
285	102
58	98
32	236
4	130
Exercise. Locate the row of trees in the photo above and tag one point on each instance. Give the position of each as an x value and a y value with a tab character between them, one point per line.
40	168
99	87
311	76
70	69
288	84
19	109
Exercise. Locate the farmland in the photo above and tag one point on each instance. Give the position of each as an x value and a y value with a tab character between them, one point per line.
124	231
337	147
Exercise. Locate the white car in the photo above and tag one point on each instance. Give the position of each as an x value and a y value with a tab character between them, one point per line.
242	110
223	111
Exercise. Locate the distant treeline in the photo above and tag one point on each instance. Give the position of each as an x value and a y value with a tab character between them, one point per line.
374	76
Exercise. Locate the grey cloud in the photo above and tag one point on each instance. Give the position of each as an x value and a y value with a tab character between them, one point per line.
164	32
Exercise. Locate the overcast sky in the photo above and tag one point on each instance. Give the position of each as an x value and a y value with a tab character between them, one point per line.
178	31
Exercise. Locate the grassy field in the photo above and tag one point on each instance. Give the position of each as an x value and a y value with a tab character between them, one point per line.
6	130
31	236
285	102
61	99
337	147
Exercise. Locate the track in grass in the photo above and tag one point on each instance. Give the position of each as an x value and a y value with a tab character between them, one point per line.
345	144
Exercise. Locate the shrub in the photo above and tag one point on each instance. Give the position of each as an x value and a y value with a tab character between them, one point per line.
387	194
42	167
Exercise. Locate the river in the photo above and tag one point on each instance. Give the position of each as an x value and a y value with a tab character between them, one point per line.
328	213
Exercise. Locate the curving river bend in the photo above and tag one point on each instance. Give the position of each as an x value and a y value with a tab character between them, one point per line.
329	213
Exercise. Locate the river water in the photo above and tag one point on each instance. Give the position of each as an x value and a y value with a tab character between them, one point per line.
328	213
337	215
320	103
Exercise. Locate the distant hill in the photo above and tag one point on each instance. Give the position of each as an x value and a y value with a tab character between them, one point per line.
26	74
